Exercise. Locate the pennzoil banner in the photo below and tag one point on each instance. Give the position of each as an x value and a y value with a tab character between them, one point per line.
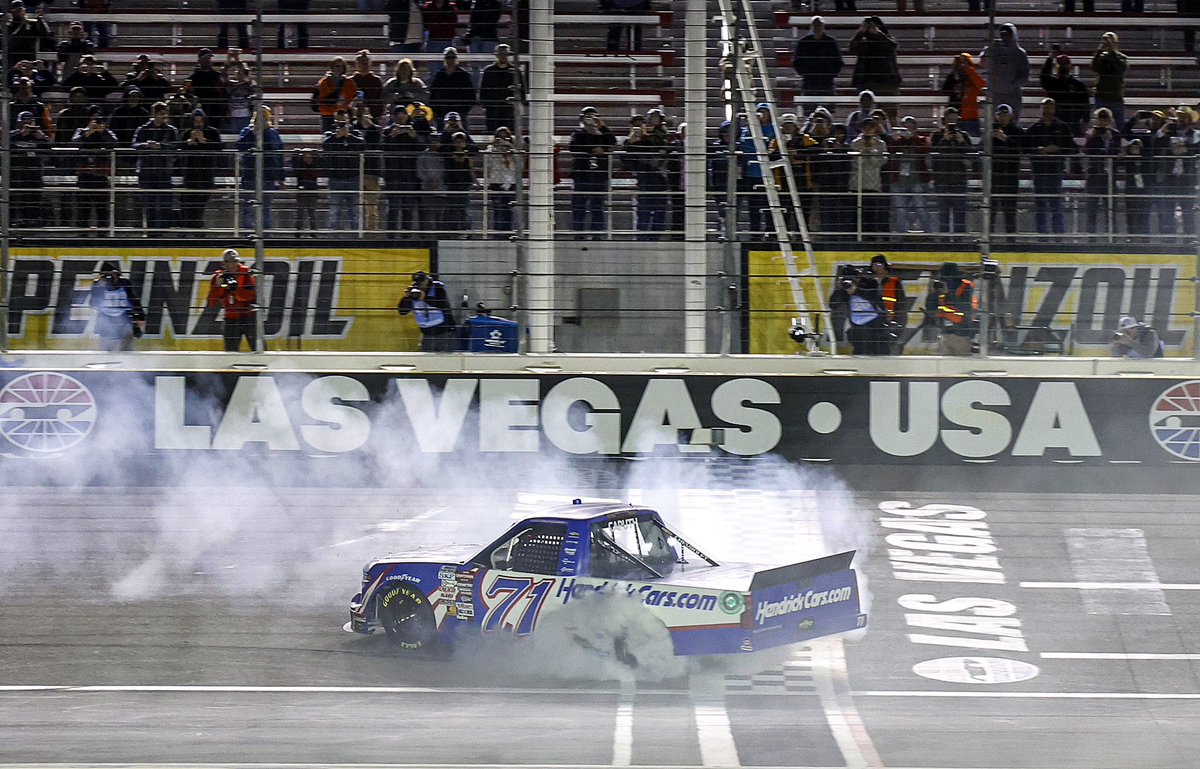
1084	294
313	298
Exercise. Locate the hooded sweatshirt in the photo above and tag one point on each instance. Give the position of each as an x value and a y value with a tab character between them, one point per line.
1007	66
963	86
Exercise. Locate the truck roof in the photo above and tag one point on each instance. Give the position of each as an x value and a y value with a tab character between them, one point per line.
587	511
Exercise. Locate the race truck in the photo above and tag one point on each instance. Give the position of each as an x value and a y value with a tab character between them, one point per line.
580	555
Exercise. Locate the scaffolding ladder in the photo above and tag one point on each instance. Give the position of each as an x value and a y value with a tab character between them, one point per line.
751	78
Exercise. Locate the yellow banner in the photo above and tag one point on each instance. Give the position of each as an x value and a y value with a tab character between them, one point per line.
310	298
1082	294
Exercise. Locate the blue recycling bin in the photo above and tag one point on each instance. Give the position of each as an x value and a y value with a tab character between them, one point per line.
484	333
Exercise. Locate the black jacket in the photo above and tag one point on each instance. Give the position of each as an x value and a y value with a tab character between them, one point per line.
817	62
201	160
155	164
1055	134
340	156
497	84
452	92
582	149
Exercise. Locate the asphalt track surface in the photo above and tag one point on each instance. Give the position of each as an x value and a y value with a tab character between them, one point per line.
203	626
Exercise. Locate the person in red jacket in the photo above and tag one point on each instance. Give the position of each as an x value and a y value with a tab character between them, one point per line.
234	289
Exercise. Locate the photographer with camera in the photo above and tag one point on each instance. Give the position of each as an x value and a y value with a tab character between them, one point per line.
119	315
429	304
951	301
1134	339
858	314
234	289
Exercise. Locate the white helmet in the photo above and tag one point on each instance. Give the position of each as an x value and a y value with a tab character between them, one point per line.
231	253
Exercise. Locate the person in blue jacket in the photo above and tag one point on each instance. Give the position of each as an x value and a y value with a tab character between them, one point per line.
272	166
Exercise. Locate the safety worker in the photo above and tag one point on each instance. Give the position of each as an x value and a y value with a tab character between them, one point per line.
891	294
234	289
955	300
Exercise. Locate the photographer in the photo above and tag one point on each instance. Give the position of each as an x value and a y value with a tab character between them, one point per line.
951	155
1134	339
341	153
590	149
952	302
427	300
235	289
119	315
858	314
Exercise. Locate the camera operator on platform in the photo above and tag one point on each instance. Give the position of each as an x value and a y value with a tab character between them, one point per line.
119	315
858	314
429	304
234	289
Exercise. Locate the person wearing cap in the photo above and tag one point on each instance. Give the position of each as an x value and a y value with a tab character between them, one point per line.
30	146
1008	142
962	86
341	152
500	86
1007	66
1049	143
93	77
1069	93
148	78
817	59
127	116
231	7
591	147
857	314
891	293
401	145
952	303
429	303
1134	339
119	317
210	87
1134	166
74	47
452	90
910	185
233	290
200	158
876	68
93	168
950	161
1174	148
1102	145
334	92
750	183
156	142
27	35
645	152
272	162
441	25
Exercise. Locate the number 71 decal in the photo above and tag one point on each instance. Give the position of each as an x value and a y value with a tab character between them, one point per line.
520	600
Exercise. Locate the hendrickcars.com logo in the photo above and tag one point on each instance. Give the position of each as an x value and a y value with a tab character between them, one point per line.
46	412
1175	420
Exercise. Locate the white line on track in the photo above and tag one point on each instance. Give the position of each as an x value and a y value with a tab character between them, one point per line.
1035	695
830	677
1112	585
418	766
715	734
1116	656
202	689
623	728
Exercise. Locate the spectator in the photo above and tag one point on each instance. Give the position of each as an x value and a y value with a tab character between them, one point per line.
406	28
71	50
431	170
1068	92
369	83
950	159
341	153
128	115
1174	149
93	167
307	173
750	185
646	155
1049	140
459	163
29	148
26	36
832	169
155	142
876	68
866	105
910	190
240	89
429	303
718	175
502	174
452	125
40	76
334	93
181	105
119	314
441	22
77	114
200	158
92	76
1008	69
281	31
632	31
147	77
963	85
500	87
591	149
815	131
231	7
401	145
867	181
451	90
1137	205
210	87
817	60
1110	66
404	88
99	31
1101	145
25	101
1008	140
234	289
272	161
363	123
483	28
1134	339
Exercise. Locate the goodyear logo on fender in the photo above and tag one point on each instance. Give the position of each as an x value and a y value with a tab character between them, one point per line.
798	601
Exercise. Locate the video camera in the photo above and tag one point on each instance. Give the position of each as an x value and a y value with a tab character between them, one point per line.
849	275
229	281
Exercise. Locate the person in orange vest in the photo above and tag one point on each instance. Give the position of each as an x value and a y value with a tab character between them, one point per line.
891	293
955	309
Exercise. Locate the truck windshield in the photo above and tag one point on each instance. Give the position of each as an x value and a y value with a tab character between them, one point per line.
640	536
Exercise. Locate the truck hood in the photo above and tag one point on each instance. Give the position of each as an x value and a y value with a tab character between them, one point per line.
457	554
